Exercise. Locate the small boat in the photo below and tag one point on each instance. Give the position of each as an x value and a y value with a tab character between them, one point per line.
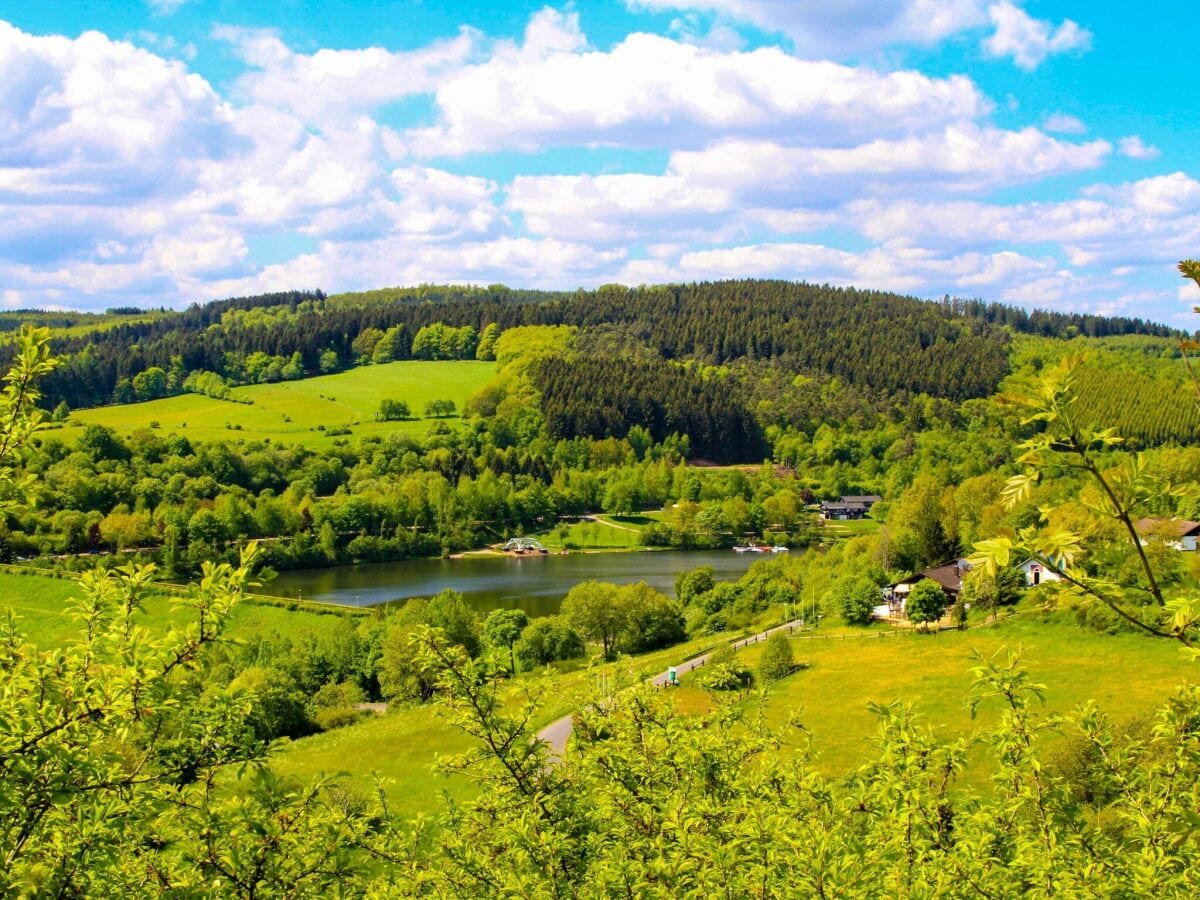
779	548
752	548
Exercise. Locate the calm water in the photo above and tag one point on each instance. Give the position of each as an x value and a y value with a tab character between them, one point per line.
535	584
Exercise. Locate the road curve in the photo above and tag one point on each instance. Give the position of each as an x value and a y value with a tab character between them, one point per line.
558	732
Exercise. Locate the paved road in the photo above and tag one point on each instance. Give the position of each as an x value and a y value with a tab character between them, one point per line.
558	732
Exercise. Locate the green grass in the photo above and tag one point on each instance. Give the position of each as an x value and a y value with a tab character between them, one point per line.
850	528
1125	674
602	532
592	535
44	615
402	746
289	412
399	747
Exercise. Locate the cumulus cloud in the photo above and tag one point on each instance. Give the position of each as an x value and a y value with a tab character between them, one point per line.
1133	147
127	178
846	28
651	91
1030	41
1062	123
91	118
1123	228
338	82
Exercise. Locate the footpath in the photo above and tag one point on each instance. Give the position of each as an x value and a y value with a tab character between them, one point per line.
558	732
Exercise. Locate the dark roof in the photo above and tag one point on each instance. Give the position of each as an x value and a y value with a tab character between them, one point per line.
948	577
861	498
1168	527
841	504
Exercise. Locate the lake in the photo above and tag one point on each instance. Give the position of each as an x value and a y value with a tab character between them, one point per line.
535	584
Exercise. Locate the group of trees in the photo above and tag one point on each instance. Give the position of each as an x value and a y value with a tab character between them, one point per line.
629	619
586	397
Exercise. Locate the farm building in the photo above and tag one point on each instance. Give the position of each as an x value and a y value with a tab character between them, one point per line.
851	506
1178	533
948	577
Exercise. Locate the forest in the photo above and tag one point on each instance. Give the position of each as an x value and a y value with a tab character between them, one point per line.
881	342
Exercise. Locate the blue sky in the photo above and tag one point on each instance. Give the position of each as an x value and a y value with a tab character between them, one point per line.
1032	152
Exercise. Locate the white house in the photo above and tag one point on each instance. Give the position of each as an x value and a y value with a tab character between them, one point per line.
1036	572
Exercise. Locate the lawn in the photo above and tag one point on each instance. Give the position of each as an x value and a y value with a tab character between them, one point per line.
1125	674
398	747
45	618
289	412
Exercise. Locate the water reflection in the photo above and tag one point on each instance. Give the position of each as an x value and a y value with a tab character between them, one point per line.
535	584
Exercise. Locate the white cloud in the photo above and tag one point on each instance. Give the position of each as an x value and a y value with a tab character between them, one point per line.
964	157
1126	228
92	118
651	91
1133	147
845	28
1030	41
612	207
126	177
165	7
1062	123
727	190
336	83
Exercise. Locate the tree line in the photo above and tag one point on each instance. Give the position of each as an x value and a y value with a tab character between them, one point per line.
876	340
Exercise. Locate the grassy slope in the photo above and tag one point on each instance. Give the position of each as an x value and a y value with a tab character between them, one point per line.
331	400
45	619
1125	674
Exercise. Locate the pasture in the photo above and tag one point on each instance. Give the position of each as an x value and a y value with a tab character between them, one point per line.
44	614
299	412
1126	675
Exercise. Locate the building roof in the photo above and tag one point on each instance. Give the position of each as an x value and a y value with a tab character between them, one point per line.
948	577
844	504
861	498
1176	528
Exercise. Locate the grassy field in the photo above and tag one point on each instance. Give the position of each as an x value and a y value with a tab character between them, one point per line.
289	412
399	748
846	669
1125	674
44	615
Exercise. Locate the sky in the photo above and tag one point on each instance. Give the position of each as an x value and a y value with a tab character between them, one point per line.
1033	152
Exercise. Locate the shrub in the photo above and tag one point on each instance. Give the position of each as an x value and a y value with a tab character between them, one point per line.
856	599
777	660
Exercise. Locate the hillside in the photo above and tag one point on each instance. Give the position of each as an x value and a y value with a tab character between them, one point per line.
301	412
874	340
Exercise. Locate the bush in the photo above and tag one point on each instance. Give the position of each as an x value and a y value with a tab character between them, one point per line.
856	599
336	717
725	672
777	660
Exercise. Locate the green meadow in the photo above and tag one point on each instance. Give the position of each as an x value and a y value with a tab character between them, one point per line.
1127	675
291	411
44	615
845	670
